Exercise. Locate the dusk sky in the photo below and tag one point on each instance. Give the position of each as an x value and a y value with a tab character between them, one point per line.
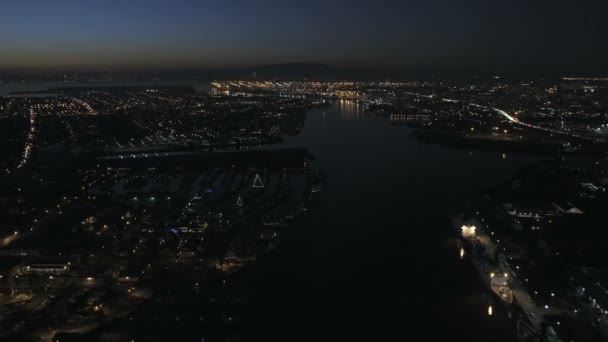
443	34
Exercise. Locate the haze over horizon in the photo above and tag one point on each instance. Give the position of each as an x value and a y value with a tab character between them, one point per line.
516	36
303	170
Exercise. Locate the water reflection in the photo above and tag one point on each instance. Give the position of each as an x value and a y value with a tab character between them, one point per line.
350	109
382	235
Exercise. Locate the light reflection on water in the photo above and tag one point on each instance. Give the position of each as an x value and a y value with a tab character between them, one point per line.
350	109
380	248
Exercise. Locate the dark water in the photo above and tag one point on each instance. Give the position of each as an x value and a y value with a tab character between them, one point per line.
8	87
378	258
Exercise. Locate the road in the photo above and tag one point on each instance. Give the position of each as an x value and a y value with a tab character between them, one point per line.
89	109
511	118
29	143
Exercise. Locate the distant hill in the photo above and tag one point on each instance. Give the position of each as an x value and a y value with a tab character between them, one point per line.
288	71
295	70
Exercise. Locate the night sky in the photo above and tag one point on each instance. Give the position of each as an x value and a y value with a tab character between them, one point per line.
508	35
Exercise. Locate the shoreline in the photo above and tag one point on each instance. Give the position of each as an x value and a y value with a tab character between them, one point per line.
531	325
458	140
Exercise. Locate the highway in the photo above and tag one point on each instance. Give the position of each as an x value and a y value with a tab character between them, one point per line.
29	143
517	121
513	119
85	105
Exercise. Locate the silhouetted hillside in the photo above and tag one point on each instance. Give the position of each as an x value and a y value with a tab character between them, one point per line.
289	71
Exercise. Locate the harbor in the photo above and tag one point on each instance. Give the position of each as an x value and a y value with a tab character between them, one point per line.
502	281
